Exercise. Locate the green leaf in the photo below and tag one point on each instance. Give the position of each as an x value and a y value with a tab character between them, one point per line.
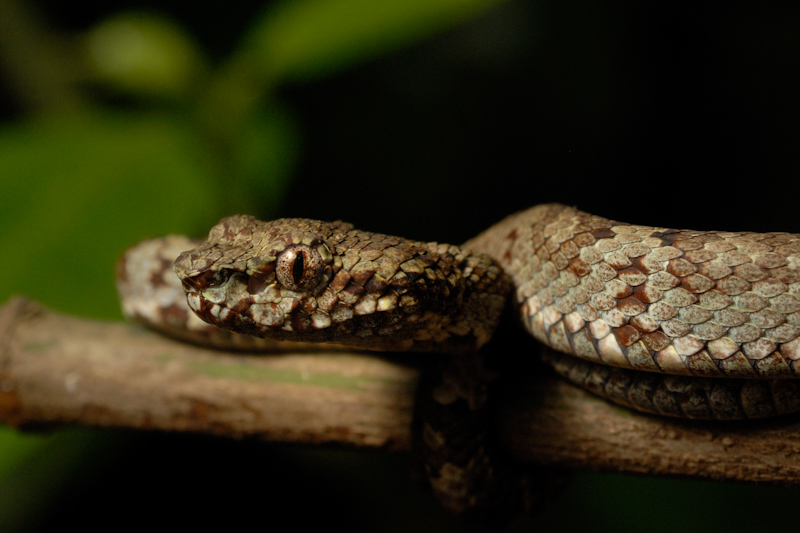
309	38
76	191
143	54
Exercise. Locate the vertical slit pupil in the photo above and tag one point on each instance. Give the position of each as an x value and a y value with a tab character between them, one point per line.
297	268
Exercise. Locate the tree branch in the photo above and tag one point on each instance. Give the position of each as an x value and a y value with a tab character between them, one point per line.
57	369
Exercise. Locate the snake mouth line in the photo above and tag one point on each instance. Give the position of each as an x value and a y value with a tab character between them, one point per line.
257	318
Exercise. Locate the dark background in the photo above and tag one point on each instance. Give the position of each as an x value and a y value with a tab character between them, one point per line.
654	114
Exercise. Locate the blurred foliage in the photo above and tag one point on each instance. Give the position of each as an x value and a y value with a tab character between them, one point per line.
81	188
141	55
304	40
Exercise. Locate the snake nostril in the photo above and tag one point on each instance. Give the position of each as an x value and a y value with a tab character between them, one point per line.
208	279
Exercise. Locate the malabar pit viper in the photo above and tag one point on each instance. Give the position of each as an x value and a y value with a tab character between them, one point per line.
697	324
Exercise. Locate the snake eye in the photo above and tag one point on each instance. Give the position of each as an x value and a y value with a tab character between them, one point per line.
299	268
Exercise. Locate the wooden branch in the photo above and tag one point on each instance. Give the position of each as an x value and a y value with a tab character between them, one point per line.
554	423
57	369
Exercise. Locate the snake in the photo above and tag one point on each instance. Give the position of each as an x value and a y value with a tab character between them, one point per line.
681	323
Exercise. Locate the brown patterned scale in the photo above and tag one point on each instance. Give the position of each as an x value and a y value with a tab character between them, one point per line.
696	303
706	304
308	280
150	293
698	324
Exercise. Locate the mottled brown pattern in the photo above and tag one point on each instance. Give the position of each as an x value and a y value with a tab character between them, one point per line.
709	304
667	395
150	293
695	303
308	280
697	324
301	279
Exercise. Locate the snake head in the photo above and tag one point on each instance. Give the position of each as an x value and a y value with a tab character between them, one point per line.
307	280
252	276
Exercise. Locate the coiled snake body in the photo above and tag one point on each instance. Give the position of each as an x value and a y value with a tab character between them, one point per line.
650	318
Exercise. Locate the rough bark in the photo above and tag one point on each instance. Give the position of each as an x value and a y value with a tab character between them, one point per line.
57	369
